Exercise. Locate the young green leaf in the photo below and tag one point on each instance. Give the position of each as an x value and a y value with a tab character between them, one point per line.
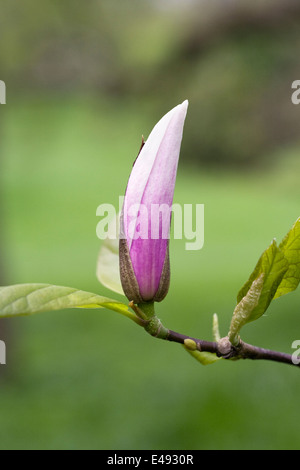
290	246
26	299
205	358
273	265
243	312
216	329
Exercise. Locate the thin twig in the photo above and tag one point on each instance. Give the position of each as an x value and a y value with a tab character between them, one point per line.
226	350
222	348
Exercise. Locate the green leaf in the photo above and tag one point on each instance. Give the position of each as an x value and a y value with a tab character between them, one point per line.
108	270
26	299
290	246
273	265
205	358
243	312
277	273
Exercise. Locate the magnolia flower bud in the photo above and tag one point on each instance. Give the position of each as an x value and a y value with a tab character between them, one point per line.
146	214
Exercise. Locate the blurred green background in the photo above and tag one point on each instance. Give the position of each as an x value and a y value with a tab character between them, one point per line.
84	81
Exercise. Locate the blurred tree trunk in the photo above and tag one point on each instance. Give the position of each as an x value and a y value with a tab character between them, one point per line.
237	19
5	324
236	64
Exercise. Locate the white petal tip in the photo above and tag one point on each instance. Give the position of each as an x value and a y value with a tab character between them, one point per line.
182	108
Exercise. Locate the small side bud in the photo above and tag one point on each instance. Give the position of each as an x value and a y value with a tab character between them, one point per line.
216	330
224	346
190	344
